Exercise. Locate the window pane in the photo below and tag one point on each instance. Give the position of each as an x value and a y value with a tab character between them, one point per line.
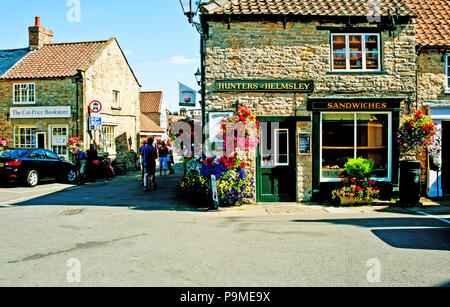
282	147
337	142
267	148
355	43
339	52
372	52
372	140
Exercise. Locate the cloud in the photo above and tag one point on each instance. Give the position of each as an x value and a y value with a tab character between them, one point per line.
180	60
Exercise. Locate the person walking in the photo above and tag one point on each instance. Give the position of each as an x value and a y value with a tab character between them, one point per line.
149	156
163	151
142	160
81	161
170	161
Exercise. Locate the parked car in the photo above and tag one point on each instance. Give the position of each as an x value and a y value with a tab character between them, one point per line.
29	166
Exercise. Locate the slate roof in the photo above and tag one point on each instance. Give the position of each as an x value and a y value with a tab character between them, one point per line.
8	58
307	7
55	60
151	101
432	22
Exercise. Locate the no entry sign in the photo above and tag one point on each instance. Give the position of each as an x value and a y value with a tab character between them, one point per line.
95	106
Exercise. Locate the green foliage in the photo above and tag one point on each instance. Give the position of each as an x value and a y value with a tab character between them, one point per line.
359	168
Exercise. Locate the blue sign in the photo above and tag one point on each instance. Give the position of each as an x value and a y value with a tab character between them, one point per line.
95	121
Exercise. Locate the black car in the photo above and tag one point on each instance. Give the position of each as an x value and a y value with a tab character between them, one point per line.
29	166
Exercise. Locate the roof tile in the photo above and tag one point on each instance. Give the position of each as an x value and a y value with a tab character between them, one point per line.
55	60
150	101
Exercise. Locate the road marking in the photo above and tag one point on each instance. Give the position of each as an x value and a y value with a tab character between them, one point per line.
435	217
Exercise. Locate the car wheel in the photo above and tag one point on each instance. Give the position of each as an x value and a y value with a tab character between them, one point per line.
71	176
32	178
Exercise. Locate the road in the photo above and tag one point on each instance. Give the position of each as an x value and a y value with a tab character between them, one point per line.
114	234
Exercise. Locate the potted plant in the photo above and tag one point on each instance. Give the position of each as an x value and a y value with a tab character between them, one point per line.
358	187
415	135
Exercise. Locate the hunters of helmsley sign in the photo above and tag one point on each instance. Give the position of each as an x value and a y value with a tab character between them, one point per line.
302	86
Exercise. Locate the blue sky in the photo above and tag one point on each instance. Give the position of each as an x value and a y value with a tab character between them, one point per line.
161	46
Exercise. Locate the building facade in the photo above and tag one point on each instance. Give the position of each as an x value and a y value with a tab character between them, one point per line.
45	97
328	80
433	87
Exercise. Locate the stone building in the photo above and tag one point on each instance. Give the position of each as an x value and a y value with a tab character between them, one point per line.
433	84
45	97
329	80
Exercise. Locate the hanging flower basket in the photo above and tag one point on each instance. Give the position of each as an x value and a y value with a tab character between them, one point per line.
74	143
245	131
416	134
3	145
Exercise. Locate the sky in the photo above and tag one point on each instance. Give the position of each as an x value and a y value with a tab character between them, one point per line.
161	46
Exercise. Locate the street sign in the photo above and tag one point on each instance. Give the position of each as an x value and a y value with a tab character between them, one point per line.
95	123
95	106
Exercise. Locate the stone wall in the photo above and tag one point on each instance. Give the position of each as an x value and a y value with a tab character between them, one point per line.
49	92
266	50
110	72
431	77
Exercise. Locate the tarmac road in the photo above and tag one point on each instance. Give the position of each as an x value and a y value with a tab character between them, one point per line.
113	234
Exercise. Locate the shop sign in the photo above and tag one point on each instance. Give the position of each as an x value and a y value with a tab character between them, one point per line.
40	112
304	143
355	105
299	86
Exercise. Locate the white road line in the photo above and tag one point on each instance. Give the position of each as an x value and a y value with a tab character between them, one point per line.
435	217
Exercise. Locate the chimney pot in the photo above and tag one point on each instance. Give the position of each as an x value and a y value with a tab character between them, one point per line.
38	21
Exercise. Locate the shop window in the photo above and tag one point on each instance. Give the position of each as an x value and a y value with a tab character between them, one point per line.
24	93
351	135
24	137
447	74
355	52
108	139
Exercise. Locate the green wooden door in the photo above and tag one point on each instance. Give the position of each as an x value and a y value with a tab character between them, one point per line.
276	161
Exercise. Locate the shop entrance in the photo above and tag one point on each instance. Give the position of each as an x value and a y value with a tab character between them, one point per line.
445	153
276	161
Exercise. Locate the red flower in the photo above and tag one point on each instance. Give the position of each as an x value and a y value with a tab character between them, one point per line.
411	124
243	164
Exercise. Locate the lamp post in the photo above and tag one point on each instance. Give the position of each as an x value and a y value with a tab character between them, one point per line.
190	10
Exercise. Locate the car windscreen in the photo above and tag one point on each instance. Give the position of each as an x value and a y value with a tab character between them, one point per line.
14	153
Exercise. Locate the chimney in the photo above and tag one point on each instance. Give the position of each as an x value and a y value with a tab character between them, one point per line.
39	36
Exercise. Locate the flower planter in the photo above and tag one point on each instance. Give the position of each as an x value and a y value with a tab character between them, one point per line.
347	201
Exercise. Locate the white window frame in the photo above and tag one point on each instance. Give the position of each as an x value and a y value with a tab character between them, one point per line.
347	52
105	134
277	156
116	103
21	100
355	145
50	143
275	150
18	127
447	74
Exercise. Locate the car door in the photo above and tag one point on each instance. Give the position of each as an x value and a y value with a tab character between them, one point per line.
36	160
53	161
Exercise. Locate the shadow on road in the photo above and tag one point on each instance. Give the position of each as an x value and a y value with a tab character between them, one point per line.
405	232
122	191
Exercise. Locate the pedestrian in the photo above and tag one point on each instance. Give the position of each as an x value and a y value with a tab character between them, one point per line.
142	160
163	151
149	156
170	161
93	163
81	161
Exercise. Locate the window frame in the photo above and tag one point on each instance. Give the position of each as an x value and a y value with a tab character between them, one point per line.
116	103
355	144
105	138
21	102
447	74
363	50
17	144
